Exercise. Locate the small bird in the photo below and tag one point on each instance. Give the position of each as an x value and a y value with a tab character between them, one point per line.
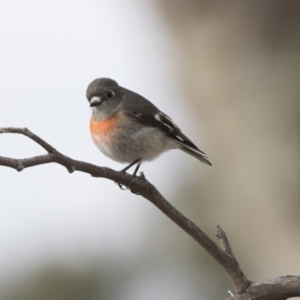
129	129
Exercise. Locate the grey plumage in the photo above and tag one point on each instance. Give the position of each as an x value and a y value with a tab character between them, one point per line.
142	132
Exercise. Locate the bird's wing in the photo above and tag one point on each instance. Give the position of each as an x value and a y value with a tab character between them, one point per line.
156	118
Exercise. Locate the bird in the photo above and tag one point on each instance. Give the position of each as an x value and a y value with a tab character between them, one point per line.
128	128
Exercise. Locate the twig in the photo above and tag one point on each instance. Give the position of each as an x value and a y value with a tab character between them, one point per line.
221	235
234	271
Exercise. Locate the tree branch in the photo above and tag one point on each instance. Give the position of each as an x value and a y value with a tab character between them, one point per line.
223	255
280	288
137	185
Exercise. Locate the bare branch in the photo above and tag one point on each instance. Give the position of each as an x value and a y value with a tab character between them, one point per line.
280	288
223	255
137	185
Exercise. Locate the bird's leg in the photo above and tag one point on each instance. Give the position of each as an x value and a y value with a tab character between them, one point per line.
130	165
137	168
134	174
138	162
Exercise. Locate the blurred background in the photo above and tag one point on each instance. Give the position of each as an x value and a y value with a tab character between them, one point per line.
228	74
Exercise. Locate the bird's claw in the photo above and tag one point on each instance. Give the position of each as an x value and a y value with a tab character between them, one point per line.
123	188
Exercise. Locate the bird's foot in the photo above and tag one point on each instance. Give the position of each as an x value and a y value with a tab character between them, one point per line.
122	187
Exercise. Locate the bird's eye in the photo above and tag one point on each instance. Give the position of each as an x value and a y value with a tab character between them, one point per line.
110	94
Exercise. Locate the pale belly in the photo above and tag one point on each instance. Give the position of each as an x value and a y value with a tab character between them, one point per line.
126	145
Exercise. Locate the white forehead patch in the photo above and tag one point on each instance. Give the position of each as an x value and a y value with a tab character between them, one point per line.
95	99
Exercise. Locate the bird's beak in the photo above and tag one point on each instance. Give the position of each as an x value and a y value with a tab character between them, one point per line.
95	101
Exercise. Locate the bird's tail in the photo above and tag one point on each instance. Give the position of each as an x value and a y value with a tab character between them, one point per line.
196	153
